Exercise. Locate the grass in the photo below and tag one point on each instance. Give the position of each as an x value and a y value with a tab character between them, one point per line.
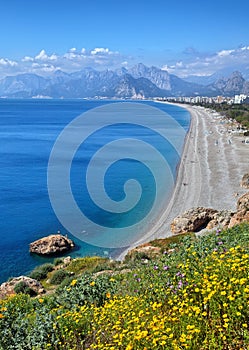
87	264
54	274
194	296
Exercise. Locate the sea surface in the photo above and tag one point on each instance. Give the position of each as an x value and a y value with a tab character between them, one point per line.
28	131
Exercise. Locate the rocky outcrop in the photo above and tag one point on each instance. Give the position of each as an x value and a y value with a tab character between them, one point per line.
143	252
238	218
243	203
193	220
242	214
8	288
221	219
147	249
199	218
51	245
245	181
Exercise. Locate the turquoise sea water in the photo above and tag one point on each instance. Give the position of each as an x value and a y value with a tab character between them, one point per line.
28	130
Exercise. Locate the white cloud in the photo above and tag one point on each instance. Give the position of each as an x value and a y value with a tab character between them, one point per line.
191	61
49	68
208	63
42	68
72	60
8	67
99	50
42	56
97	57
70	55
225	53
27	59
6	62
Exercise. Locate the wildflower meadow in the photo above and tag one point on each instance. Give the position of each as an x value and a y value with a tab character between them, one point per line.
194	294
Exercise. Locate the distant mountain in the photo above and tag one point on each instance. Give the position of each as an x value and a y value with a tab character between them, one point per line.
235	84
129	86
139	81
157	76
22	85
87	83
165	81
90	83
221	73
204	79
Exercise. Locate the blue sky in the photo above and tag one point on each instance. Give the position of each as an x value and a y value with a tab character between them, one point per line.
181	36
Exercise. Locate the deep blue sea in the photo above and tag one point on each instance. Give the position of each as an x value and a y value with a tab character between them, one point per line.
28	131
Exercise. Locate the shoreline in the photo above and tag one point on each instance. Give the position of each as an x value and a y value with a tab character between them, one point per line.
209	173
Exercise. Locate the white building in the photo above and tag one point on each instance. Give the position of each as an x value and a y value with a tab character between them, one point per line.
239	98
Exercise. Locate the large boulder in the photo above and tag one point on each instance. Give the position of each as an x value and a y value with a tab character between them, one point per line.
8	288
221	219
238	218
51	245
243	202
242	214
245	181
192	220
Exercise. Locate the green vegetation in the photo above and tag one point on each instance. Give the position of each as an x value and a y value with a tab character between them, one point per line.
81	265
59	276
239	112
40	272
22	288
193	294
58	261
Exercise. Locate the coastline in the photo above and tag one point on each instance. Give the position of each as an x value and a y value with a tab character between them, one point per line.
209	174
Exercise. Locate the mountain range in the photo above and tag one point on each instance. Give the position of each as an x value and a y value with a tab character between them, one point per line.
139	81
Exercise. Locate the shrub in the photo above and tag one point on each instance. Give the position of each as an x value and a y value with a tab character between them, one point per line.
194	297
66	282
87	290
58	261
58	276
86	264
23	288
40	272
108	265
137	256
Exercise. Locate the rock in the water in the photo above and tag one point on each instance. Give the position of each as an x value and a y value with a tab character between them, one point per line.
245	181
51	245
221	219
242	214
7	288
192	220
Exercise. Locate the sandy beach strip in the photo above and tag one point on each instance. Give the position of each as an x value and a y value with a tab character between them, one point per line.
212	165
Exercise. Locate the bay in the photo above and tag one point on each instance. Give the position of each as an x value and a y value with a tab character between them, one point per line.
28	131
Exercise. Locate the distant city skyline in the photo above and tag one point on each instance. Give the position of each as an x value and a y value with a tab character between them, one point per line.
182	37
